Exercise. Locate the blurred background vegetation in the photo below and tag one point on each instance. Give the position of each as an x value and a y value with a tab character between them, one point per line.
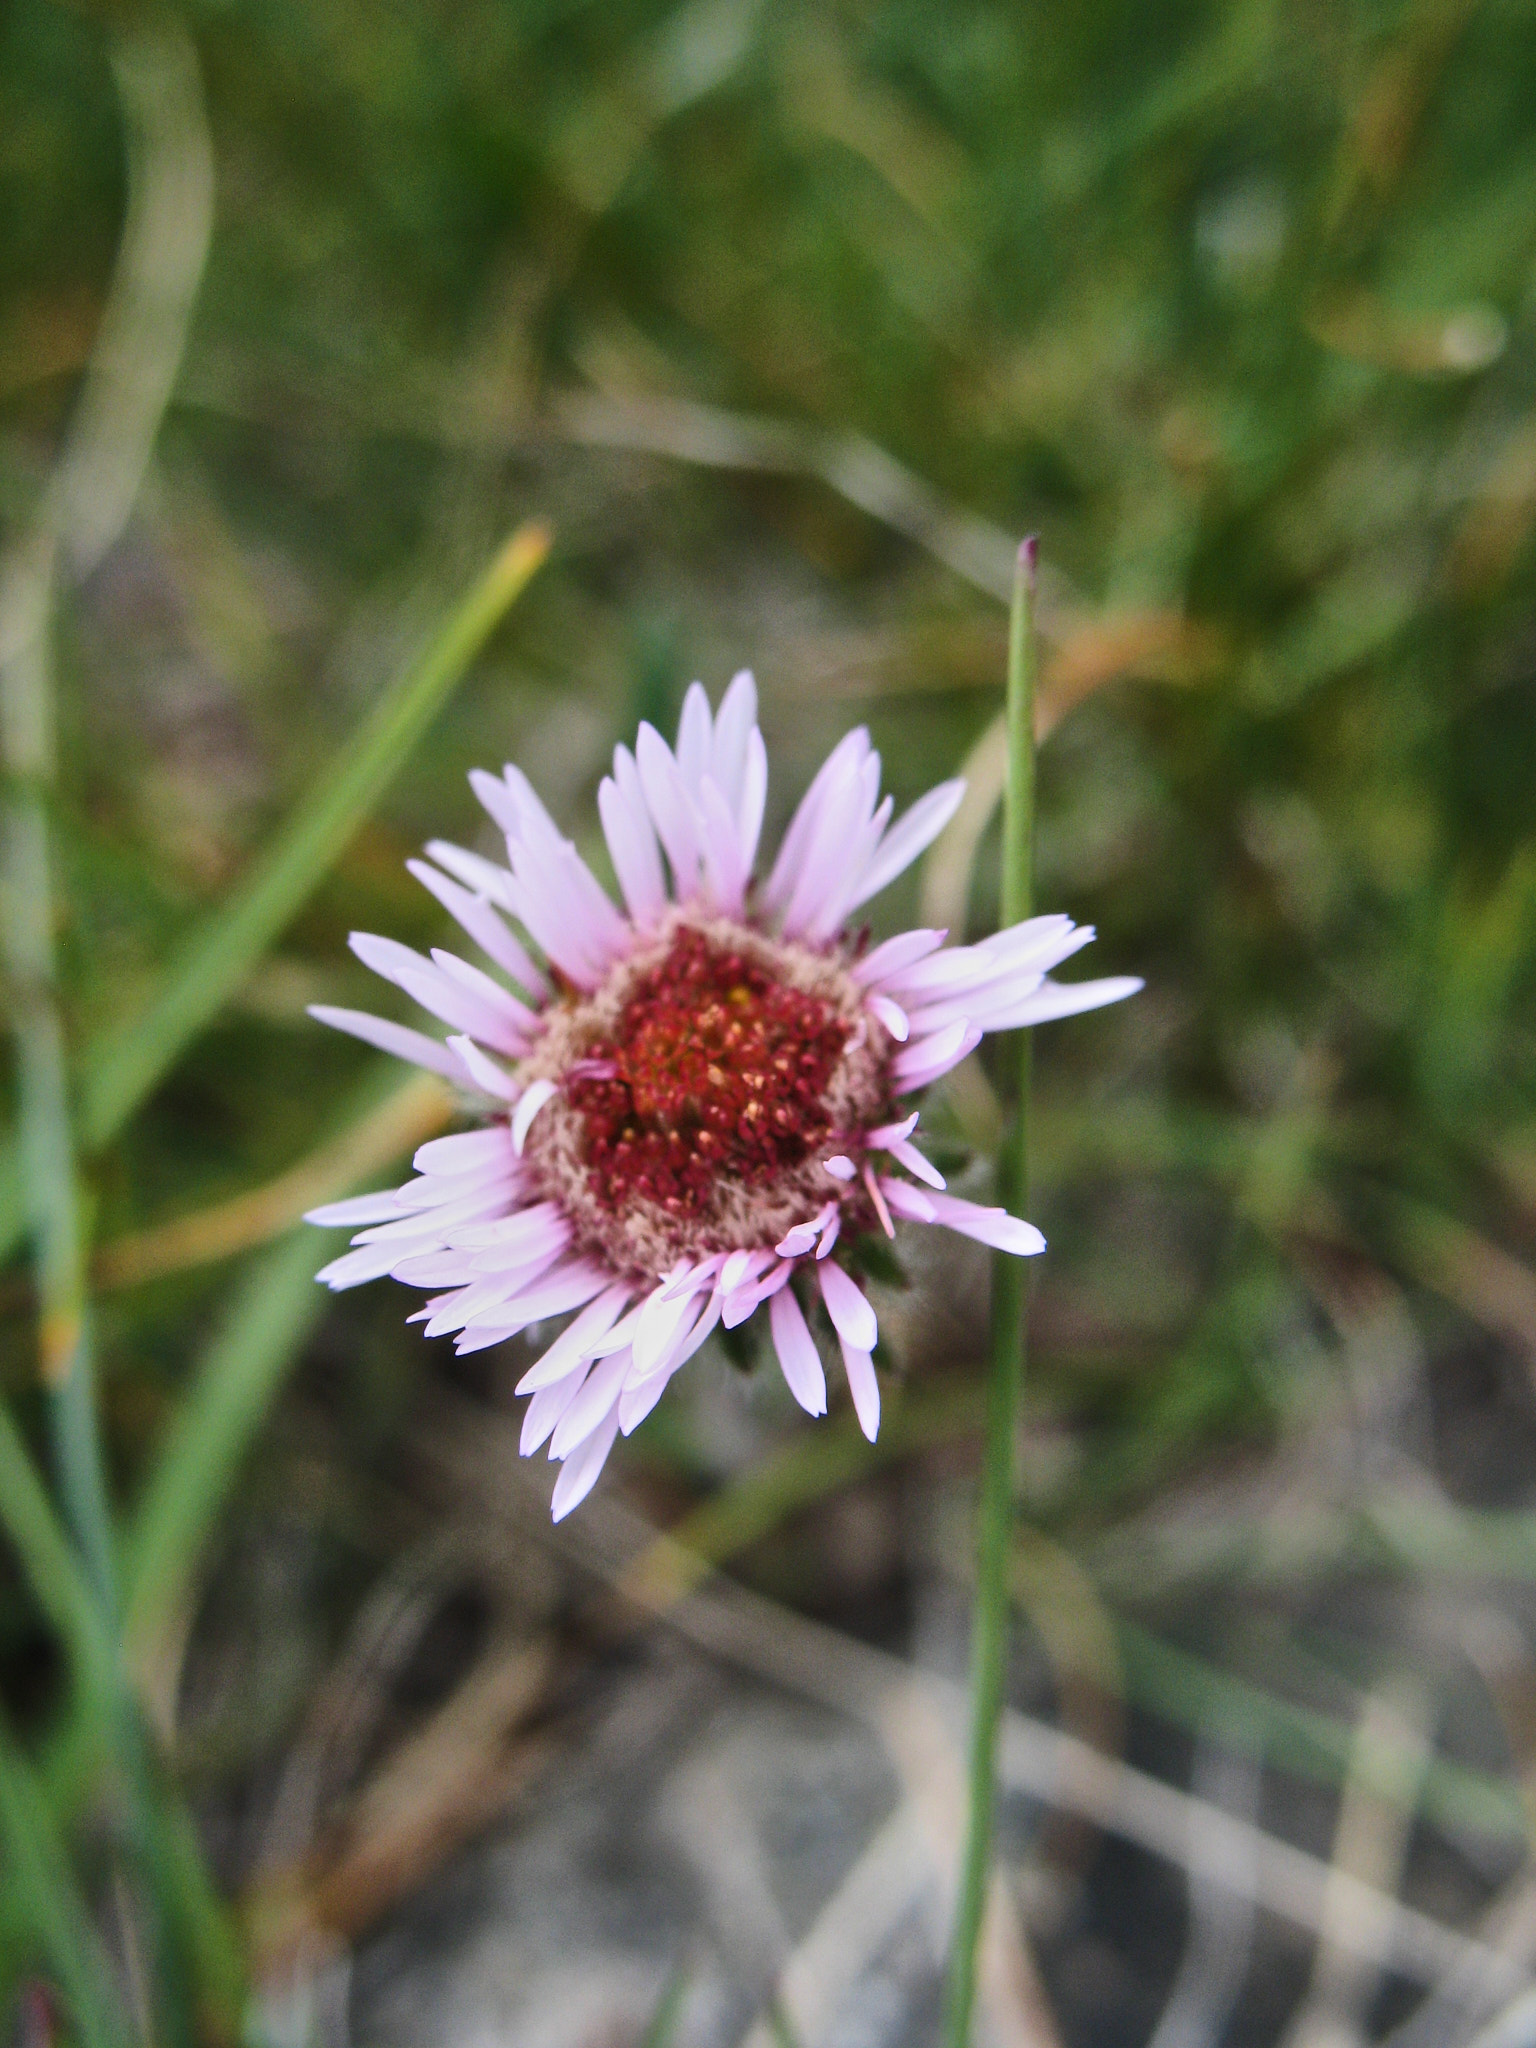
787	320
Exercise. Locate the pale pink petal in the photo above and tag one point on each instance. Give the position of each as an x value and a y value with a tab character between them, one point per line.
636	1402
613	935
500	1298
882	1134
476	914
660	1318
740	1303
908	1156
1037	942
555	1292
908	1201
520	1261
437	1220
429	1308
861	850
484	1303
695	734
619	1338
891	1015
431	1189
506	1239
671	810
530	1102
1034	946
854	858
735	721
994	1227
937	977
750	1296
797	1241
815	907
975	1006
632	846
542	904
848	1306
511	1233
958	967
599	1396
465	1151
483	1071
685	1341
398	1039
499	800
462	1008
886	961
921	1065
440	1268
840	1166
829	1236
353	1268
798	1357
482	1340
581	1471
559	884
523	1021
356	1209
878	1199
476	872
426	1265
533	816
863	1386
753	798
685	1347
688	1276
923	1052
922	1074
546	1409
849	751
1000	973
725	873
917	831
1067	999
742	1266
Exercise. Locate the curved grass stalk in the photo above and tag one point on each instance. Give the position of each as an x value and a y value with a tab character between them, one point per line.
410	1113
122	1068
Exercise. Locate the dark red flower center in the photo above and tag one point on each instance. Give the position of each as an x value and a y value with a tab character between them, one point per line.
719	1069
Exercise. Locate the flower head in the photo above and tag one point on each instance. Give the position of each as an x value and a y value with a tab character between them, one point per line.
693	1104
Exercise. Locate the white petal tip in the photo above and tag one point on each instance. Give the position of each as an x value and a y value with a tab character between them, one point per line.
532	1100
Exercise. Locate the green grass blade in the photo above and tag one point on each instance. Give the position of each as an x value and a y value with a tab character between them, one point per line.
49	1558
1192	1694
662	2027
121	1070
38	1867
232	1389
163	1833
120	1073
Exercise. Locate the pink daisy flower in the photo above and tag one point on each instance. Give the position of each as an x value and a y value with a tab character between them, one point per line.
695	1102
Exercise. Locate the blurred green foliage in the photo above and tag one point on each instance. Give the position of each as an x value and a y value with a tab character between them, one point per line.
1234	303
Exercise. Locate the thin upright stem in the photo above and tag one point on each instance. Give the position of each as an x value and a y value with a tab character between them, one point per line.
55	1210
43	1112
989	1639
